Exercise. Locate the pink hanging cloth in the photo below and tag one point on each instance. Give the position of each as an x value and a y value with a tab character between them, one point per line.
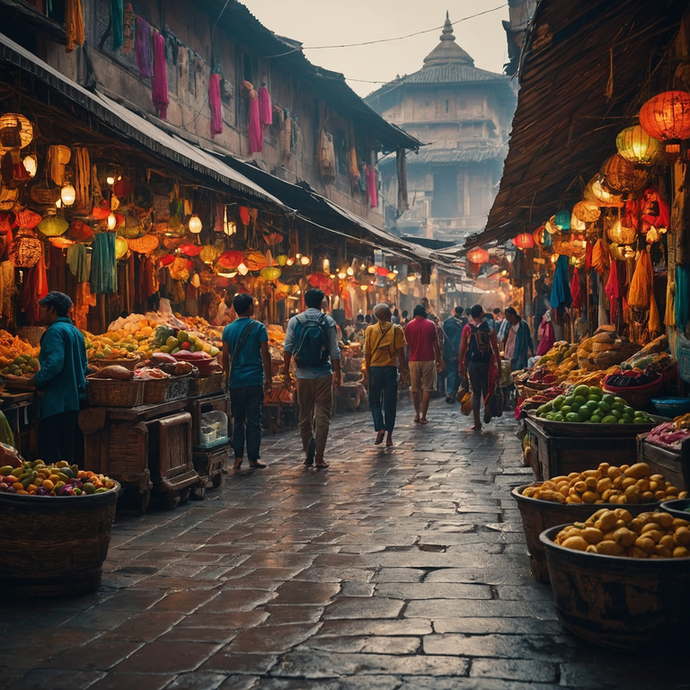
612	289
372	191
256	132
265	107
159	85
575	291
143	48
214	102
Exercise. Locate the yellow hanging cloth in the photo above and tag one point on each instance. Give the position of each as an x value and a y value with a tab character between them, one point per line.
74	24
641	283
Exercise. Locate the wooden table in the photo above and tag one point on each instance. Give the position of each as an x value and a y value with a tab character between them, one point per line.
19	409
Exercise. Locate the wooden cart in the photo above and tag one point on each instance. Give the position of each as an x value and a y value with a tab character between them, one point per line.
145	447
673	464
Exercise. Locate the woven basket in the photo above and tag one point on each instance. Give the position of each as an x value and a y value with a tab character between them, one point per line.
164	390
205	385
115	393
126	362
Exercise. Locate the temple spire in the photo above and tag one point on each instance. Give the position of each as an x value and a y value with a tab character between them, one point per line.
447	51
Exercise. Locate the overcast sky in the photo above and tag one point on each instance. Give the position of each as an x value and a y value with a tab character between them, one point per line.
335	22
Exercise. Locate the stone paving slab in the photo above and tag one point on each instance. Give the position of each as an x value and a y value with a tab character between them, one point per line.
395	569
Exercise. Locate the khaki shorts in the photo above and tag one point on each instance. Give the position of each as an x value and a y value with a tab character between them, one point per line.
423	376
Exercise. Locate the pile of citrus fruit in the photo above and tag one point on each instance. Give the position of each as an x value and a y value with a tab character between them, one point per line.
59	479
589	404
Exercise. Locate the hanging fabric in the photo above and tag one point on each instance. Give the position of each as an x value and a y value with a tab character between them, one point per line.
353	169
143	49
103	263
76	260
128	29
255	129
82	181
641	283
612	290
682	301
8	289
295	136
286	134
600	257
74	24
214	102
84	300
265	107
326	157
117	22
401	170
655	211
35	288
372	189
560	290
159	85
575	290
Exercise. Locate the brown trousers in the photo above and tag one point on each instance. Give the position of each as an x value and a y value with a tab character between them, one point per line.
315	398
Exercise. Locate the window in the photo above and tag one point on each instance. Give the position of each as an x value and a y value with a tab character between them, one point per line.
445	201
341	152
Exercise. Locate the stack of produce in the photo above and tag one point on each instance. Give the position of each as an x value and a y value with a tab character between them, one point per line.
198	325
604	349
121	343
59	479
671	435
589	404
607	484
617	533
276	339
17	356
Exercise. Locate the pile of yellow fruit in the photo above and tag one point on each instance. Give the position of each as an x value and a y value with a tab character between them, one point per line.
607	484
17	356
617	533
121	344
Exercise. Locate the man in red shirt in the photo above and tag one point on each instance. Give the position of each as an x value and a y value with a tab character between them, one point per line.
425	361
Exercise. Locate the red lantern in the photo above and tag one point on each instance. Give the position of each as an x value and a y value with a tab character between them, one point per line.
478	256
167	260
524	241
191	249
244	215
231	259
667	116
382	271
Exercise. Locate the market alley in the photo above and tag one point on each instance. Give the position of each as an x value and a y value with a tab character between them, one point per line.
400	568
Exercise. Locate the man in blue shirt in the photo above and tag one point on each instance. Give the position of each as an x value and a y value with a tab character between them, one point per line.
312	341
452	329
62	378
247	362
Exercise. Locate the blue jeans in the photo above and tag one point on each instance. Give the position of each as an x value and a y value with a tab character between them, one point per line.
247	409
452	378
383	396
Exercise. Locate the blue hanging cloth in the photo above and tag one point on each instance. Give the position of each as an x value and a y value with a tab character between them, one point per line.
560	290
104	263
682	305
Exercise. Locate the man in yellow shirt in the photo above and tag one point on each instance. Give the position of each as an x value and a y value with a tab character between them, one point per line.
383	343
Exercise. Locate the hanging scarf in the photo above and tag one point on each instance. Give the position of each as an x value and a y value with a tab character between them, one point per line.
575	290
117	22
76	260
35	288
214	102
74	24
103	263
548	336
129	18
655	211
372	191
82	180
256	134
353	169
560	290
143	49
265	107
612	290
682	304
159	85
600	257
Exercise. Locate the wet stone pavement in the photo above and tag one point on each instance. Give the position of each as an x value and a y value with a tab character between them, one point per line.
396	569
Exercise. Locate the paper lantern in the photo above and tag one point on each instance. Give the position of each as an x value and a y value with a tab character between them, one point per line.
254	260
281	259
620	234
382	271
318	280
576	225
16	131
601	196
209	254
478	255
195	225
25	250
61	242
636	146
586	211
666	116
121	247
27	219
30	165
304	260
242	269
79	231
52	226
620	176
144	245
524	241
562	220
100	212
191	249
372	269
231	259
166	260
68	195
271	273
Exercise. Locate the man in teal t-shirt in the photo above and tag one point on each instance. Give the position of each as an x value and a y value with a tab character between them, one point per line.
247	361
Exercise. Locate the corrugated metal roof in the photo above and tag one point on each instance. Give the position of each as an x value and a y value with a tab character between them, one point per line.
461	156
565	126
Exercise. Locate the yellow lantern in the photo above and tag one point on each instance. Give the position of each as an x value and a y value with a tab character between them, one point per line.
372	269
342	275
636	146
52	226
112	221
305	260
281	259
195	225
271	273
586	211
620	234
392	276
30	165
16	131
209	254
68	195
121	247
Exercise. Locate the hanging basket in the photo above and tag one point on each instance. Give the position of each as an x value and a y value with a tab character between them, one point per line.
43	194
143	245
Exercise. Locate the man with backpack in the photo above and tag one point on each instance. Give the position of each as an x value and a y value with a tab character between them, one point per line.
247	363
478	347
312	342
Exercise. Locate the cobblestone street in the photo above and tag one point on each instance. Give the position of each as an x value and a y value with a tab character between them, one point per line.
400	568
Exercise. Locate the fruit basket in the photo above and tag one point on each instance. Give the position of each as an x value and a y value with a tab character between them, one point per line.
115	392
165	390
18	383
585	429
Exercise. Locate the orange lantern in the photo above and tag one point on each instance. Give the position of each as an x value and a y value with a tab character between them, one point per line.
478	256
586	211
254	260
524	241
667	117
620	175
231	259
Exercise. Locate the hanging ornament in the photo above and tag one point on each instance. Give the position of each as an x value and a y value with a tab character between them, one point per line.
620	175
478	256
586	211
121	247
666	116
524	241
638	147
195	225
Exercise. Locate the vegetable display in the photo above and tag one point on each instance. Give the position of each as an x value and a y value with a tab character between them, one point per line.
607	484
617	533
589	404
17	356
59	479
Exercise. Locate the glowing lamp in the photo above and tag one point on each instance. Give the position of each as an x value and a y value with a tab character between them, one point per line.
229	228
620	234
412	277
112	221
363	288
350	271
620	175
30	165
270	273
68	195
563	220
195	225
52	226
586	211
196	281
289	262
110	180
550	226
326	266
392	276
666	116
372	269
121	247
242	269
478	255
305	260
524	241
342	275
636	146
16	131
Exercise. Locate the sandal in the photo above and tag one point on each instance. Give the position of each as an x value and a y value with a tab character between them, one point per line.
257	465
